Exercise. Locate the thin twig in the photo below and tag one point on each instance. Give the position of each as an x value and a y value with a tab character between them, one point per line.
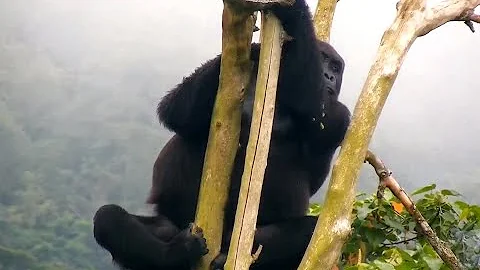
469	17
401	242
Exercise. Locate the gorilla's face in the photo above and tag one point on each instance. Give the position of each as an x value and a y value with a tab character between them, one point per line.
332	67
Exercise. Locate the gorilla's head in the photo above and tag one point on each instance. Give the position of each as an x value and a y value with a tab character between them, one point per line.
332	68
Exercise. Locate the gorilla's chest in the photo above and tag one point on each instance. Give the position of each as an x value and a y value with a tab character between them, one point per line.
286	185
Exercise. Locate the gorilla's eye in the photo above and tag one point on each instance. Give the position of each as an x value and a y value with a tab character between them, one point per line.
335	67
325	57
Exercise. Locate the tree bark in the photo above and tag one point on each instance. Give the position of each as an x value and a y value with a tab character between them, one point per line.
239	256
323	19
237	26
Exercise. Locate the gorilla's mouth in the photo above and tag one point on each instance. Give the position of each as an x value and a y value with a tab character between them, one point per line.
330	90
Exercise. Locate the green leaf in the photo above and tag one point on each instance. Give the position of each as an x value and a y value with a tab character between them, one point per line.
411	225
393	223
361	266
392	237
475	209
424	189
409	265
449	217
433	263
383	265
362	212
374	237
388	195
314	210
449	192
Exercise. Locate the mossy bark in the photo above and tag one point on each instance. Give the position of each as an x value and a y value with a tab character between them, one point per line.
239	256
323	19
237	26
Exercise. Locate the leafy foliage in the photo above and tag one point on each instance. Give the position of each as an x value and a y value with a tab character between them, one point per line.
384	235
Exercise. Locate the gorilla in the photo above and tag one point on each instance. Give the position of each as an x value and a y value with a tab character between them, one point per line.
309	125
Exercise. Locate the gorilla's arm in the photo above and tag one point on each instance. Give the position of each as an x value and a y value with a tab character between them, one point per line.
187	108
300	84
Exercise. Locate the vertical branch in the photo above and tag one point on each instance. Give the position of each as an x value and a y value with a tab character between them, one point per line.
414	18
323	19
239	256
333	227
237	29
322	22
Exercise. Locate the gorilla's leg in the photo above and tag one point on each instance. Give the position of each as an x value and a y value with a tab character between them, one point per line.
159	226
140	243
284	244
284	241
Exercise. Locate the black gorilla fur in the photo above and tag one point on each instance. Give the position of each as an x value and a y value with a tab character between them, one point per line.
309	125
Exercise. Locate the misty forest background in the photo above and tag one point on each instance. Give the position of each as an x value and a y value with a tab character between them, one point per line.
79	84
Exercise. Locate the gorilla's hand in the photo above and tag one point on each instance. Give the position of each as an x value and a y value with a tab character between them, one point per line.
219	262
191	243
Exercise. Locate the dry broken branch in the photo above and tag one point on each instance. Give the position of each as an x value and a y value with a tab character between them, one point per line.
387	181
434	16
475	18
469	18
